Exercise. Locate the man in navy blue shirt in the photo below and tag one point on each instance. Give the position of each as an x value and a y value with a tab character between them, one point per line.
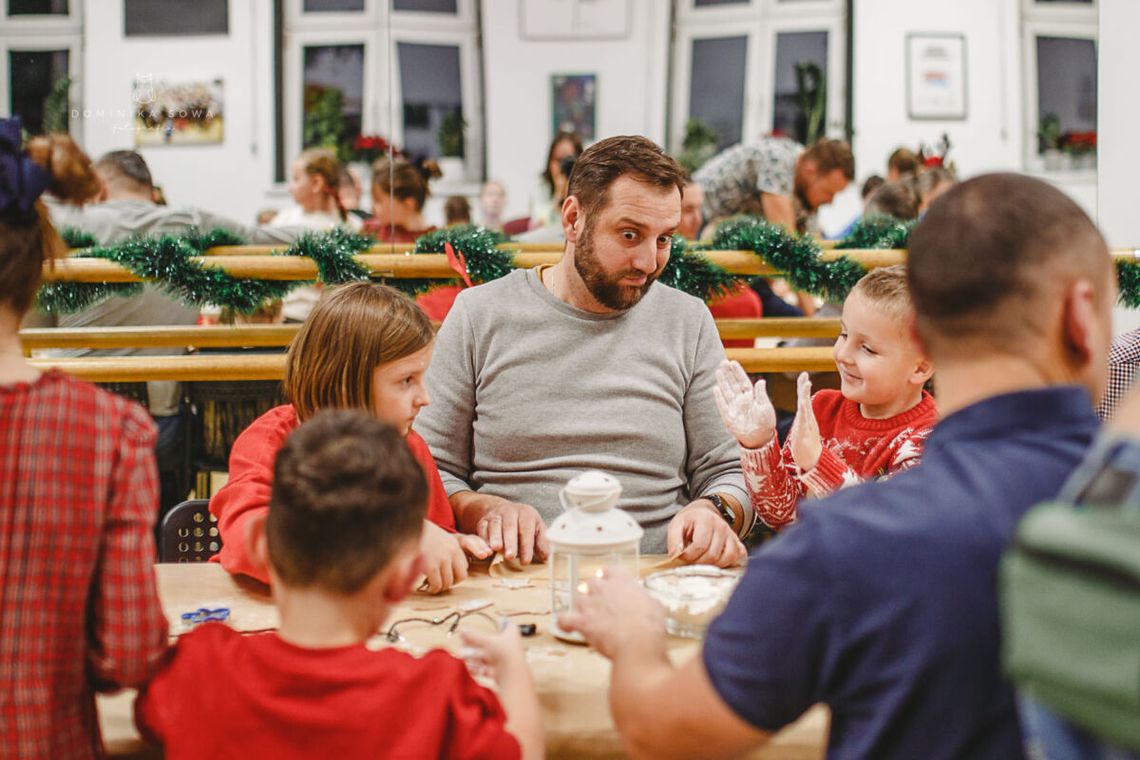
881	602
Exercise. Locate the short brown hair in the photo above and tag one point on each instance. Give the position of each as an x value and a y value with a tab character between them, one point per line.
606	160
347	495
399	179
886	288
898	199
829	155
27	241
904	161
351	331
991	254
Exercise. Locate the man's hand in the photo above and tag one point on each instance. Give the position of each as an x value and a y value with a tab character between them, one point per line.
445	556
617	615
516	530
803	438
699	535
745	409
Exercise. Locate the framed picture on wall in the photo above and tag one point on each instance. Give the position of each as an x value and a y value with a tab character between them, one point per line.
573	98
936	76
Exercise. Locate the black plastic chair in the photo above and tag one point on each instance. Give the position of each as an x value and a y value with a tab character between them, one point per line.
189	533
220	411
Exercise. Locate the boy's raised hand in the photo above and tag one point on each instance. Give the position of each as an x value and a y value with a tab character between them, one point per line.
803	439
746	410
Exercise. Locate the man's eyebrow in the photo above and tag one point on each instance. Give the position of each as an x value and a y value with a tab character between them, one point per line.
628	220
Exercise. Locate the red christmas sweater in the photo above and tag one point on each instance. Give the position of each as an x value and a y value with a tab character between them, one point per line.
854	449
246	493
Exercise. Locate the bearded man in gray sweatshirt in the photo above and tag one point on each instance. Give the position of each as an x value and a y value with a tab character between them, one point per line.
590	364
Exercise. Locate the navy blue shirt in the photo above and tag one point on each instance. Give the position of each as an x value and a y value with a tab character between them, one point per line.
882	600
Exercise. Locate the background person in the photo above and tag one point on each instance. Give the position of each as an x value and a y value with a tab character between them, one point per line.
399	191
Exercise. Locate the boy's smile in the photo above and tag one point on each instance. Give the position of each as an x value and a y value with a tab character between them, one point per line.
879	365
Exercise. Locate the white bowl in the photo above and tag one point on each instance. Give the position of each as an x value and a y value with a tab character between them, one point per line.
692	596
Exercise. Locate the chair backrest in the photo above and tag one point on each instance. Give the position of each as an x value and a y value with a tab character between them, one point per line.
189	533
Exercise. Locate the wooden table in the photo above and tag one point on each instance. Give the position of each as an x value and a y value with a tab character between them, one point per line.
572	680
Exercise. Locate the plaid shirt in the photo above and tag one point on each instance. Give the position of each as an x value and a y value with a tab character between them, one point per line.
1123	361
79	610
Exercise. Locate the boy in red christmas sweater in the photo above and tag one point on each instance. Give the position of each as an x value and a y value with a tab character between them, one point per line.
341	542
873	428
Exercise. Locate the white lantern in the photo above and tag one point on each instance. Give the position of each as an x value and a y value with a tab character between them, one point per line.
590	535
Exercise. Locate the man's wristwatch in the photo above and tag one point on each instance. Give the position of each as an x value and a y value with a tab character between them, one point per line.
722	507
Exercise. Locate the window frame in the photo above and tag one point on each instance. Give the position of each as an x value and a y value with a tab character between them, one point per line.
760	21
1048	26
371	28
39	42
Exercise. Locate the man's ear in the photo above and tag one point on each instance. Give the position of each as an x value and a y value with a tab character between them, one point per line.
1080	322
572	218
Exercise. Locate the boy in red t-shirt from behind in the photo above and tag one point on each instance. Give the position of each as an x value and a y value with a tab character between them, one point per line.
874	427
341	542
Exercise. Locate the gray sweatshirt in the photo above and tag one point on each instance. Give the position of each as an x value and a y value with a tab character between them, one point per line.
528	391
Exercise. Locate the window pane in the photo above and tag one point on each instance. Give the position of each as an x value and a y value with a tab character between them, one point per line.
426	6
334	96
716	86
175	17
801	56
37	7
33	74
334	6
433	99
1066	94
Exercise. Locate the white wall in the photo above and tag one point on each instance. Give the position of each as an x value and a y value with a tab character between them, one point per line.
632	77
1117	117
231	178
991	138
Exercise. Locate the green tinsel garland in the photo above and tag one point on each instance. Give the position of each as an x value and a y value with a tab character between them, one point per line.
691	272
479	246
798	258
166	260
880	231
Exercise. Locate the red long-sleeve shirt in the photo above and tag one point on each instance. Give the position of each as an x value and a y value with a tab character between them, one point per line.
854	449
246	493
79	610
223	694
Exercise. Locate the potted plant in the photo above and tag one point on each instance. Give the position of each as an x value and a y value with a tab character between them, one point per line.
1049	142
698	145
451	145
1081	147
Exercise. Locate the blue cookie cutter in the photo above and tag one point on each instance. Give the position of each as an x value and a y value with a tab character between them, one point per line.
205	614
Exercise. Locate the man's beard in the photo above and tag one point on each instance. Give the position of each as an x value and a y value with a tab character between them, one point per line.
605	288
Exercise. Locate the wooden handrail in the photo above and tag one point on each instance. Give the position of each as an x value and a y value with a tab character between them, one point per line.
225	336
401	265
109	369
